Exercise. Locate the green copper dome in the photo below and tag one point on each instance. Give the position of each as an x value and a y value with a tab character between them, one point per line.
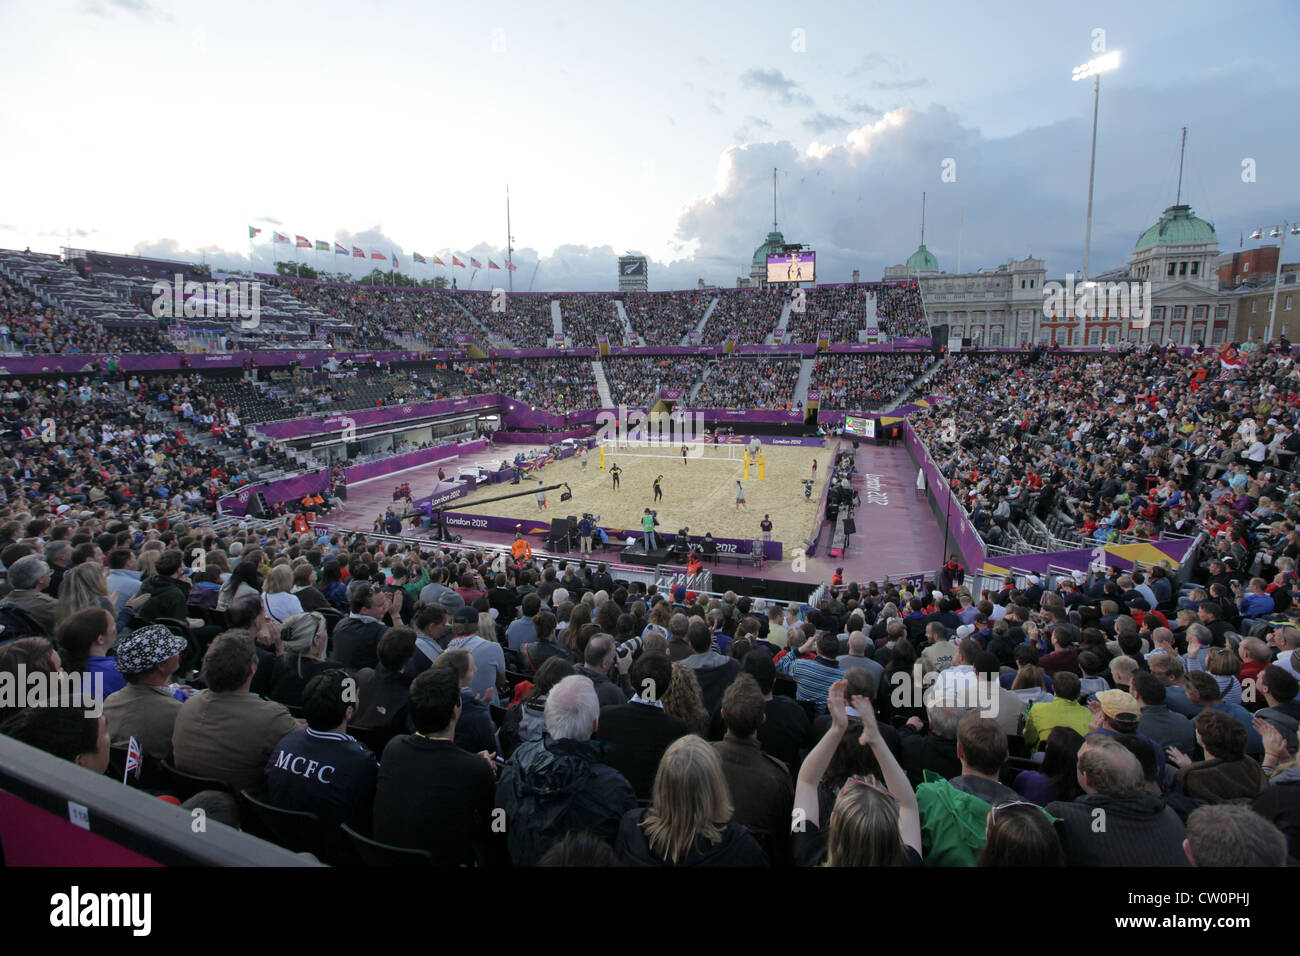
923	260
1177	226
769	248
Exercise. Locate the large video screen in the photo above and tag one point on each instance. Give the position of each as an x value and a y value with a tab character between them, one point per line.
632	268
861	427
792	267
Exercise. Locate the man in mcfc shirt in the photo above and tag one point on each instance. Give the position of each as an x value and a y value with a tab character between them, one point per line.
320	769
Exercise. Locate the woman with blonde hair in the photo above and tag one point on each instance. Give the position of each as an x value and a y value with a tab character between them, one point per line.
685	700
1224	665
82	587
304	637
688	822
871	824
487	627
278	598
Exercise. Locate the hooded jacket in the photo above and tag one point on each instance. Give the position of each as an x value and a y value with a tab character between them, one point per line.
168	597
550	787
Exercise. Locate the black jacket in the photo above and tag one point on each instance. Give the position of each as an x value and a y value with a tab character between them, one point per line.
1139	831
550	787
356	642
736	848
635	736
168	597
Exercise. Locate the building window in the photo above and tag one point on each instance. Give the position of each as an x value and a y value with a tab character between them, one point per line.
1221	312
1176	333
1094	336
1135	335
1173	269
995	335
1158	312
1195	267
1155	333
1200	311
1024	338
1220	336
1253	303
1198	333
1182	268
1112	335
1180	312
1287	304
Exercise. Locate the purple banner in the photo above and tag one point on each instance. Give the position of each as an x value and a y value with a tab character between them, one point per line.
671	394
286	489
961	533
467	523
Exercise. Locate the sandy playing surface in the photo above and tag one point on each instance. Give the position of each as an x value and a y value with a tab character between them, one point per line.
700	495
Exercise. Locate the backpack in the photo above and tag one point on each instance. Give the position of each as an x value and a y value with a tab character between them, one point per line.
17	623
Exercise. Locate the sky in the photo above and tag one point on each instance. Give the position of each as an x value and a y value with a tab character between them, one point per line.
168	129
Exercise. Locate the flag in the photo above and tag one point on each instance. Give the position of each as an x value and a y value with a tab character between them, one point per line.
340	250
395	263
511	266
280	237
492	265
419	258
134	759
475	263
302	242
378	255
358	253
322	245
438	262
456	262
252	231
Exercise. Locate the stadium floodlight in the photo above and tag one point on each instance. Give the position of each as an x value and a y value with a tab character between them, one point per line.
1276	232
1094	68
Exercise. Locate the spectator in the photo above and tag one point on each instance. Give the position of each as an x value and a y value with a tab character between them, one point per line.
558	783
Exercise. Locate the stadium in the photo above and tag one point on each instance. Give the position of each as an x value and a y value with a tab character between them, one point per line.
387	570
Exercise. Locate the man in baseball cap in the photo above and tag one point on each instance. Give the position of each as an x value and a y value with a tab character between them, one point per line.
147	706
1116	713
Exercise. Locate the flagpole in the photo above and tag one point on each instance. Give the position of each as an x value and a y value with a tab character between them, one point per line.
510	273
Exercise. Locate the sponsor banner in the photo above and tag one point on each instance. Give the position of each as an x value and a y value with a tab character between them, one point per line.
464	522
671	394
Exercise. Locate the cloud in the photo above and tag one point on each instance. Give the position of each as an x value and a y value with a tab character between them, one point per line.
776	84
66	233
860	108
139	8
752	127
820	123
899	84
269	220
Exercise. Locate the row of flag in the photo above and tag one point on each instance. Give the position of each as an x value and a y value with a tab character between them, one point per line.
320	245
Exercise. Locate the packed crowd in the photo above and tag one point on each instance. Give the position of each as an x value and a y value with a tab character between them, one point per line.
83	442
750	383
587	316
518	320
635	381
29	326
376	313
865	381
900	310
1143	443
560	385
610	724
665	318
745	315
837	310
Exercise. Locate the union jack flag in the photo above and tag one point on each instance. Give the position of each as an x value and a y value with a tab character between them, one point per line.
134	759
